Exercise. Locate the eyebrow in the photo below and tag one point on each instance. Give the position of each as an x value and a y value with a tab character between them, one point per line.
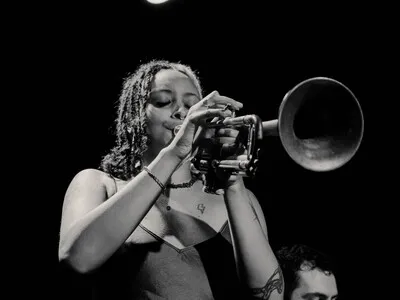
320	295
191	94
305	296
160	90
166	90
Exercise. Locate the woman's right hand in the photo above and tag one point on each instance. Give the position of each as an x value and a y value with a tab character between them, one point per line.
213	105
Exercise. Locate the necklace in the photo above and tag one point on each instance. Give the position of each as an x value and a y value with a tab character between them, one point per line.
196	175
182	185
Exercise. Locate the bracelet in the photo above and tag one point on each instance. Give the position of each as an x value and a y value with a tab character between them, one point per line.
155	179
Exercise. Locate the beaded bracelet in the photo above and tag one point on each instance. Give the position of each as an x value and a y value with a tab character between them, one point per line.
155	179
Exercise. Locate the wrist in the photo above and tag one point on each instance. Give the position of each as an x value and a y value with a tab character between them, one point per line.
236	186
170	154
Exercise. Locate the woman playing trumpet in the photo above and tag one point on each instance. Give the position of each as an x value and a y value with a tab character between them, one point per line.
141	225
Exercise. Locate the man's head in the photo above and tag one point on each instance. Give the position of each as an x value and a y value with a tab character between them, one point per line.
308	274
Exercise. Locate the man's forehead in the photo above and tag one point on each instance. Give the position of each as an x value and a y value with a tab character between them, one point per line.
318	281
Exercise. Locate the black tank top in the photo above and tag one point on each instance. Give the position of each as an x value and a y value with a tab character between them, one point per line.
158	270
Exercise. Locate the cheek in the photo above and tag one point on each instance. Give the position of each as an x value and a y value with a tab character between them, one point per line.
156	118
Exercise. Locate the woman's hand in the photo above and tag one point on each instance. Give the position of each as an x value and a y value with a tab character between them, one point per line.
232	147
211	106
229	179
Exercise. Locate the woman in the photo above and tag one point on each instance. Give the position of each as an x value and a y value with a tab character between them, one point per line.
142	227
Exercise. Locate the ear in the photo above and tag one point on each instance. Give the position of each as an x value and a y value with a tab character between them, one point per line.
138	164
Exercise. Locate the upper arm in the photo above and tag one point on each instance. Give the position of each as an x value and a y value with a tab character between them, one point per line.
259	212
274	288
85	192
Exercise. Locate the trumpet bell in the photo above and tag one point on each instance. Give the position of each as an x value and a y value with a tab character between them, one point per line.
320	124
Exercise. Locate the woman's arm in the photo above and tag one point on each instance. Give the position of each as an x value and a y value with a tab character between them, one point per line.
257	266
92	229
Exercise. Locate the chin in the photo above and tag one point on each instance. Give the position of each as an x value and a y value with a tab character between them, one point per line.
168	142
162	143
168	137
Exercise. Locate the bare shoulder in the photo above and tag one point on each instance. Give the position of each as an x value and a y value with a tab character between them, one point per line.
88	189
94	180
90	174
89	177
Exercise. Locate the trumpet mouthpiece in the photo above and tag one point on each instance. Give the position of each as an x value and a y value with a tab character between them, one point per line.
176	129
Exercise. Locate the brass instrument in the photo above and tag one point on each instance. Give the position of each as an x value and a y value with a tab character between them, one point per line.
320	125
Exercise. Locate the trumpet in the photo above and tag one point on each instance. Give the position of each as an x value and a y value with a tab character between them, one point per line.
320	125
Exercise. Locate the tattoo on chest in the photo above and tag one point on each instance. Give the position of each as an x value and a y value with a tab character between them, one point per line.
201	207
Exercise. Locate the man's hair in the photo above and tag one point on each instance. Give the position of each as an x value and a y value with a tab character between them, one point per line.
125	159
298	257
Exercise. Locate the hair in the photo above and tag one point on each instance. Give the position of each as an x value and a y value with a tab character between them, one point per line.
300	257
125	159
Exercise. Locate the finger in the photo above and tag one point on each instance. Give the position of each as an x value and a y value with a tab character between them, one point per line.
205	100
225	140
215	98
223	100
233	178
227	132
242	157
209	113
228	149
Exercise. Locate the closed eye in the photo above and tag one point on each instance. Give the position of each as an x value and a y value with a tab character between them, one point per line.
161	98
162	103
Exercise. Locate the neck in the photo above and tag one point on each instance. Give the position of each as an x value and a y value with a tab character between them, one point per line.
182	173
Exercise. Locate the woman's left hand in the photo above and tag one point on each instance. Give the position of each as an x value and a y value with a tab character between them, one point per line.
231	144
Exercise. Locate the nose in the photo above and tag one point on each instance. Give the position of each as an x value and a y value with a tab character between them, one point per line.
180	114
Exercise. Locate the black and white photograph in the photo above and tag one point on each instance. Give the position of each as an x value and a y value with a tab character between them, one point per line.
208	150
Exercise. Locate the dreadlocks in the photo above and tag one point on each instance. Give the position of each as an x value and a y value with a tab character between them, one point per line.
125	159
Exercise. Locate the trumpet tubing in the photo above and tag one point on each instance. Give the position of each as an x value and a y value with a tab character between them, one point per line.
320	125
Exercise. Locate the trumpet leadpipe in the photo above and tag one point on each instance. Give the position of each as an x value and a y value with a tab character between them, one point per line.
239	165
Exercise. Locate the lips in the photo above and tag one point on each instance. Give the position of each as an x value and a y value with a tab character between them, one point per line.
172	124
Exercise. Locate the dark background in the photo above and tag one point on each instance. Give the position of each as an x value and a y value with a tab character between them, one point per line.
253	53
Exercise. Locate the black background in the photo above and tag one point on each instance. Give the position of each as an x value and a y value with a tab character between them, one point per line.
251	52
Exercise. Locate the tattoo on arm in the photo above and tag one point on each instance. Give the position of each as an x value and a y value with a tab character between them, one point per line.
275	282
255	213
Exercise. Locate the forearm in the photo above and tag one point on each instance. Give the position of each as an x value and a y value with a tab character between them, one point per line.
91	240
256	263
